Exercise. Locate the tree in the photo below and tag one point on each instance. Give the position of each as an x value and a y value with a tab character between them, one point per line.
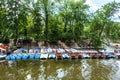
3	19
74	15
13	11
37	21
100	21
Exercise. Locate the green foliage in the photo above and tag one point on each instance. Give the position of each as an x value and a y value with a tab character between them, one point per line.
53	20
101	25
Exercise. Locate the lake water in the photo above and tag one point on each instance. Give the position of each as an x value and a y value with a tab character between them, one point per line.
83	69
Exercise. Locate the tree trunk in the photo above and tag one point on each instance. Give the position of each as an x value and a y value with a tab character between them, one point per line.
46	21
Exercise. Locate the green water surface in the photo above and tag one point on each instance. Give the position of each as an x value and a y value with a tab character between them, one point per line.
84	69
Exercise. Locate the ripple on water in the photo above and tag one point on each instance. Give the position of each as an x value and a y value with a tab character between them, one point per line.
115	71
85	69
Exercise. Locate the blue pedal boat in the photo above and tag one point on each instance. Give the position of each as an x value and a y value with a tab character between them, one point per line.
65	56
25	56
37	56
51	56
31	56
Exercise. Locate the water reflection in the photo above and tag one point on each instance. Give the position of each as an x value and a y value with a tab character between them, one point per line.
84	69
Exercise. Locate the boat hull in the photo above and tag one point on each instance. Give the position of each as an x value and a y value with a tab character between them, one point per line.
2	57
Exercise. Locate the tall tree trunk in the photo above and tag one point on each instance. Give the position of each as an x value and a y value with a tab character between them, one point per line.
46	20
101	31
65	27
46	27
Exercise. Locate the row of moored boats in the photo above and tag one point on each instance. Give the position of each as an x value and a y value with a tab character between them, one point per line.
49	53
